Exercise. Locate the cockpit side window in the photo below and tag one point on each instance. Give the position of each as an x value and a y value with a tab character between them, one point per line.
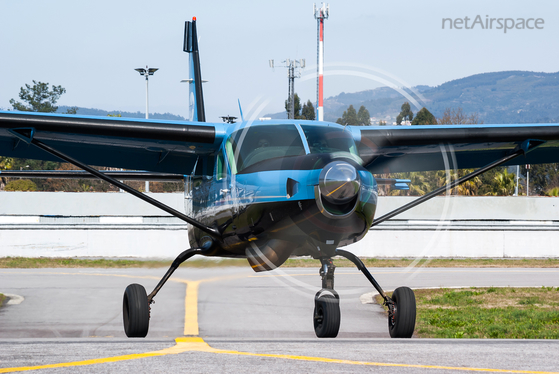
255	144
329	140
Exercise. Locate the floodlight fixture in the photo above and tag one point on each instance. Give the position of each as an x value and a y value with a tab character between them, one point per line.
146	72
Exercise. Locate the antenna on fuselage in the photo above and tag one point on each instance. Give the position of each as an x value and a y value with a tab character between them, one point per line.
241	110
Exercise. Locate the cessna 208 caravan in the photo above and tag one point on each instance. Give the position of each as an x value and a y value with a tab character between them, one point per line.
268	190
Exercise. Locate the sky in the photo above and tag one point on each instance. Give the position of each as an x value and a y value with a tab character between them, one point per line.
91	48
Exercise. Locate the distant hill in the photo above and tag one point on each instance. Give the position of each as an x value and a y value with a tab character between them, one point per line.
500	97
504	97
104	113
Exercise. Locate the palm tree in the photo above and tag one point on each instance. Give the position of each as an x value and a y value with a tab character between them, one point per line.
502	184
6	163
552	192
420	183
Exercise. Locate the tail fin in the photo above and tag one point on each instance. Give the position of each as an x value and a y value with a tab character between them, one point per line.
196	97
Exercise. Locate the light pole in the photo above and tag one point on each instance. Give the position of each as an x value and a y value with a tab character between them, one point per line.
146	73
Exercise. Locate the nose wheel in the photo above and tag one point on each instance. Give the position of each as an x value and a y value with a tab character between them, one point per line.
327	315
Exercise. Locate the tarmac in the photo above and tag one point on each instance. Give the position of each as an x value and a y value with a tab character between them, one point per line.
233	320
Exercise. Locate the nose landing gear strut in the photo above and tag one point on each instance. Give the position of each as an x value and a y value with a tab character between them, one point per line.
401	306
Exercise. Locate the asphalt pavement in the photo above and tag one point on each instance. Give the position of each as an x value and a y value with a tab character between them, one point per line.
234	320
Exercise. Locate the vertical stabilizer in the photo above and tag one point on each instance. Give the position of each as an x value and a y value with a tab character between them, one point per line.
196	97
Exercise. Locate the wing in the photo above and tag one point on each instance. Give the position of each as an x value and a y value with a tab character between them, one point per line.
153	145
438	147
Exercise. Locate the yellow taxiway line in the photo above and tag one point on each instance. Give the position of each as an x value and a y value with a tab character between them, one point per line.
191	309
196	344
193	343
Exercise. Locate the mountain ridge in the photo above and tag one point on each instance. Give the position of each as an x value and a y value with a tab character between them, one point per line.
513	96
104	113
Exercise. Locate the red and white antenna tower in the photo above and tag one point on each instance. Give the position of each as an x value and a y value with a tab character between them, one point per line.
320	14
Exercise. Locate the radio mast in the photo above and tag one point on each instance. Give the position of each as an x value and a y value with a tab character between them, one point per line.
320	14
293	71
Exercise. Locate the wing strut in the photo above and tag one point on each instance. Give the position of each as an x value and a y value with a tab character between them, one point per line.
522	149
209	230
80	174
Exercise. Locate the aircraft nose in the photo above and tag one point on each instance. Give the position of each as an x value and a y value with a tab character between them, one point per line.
339	186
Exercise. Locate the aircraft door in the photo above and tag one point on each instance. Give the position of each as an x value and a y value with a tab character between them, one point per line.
223	192
222	180
232	174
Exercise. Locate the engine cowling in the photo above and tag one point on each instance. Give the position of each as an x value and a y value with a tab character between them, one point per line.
338	189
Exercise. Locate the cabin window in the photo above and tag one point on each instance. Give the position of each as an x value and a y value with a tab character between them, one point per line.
231	156
256	144
220	167
329	139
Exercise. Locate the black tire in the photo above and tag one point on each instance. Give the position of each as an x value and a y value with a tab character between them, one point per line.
135	311
404	313
327	316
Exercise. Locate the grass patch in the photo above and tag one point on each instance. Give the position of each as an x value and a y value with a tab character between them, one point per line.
2	298
434	263
44	262
509	313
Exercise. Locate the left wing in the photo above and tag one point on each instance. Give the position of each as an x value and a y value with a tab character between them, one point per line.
152	145
391	149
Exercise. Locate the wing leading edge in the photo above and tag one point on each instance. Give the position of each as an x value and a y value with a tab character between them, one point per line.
153	145
438	147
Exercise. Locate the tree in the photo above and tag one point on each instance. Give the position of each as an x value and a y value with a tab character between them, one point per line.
458	117
308	111
21	185
72	110
349	117
363	116
6	163
424	117
544	177
382	123
502	184
297	106
553	192
405	114
39	98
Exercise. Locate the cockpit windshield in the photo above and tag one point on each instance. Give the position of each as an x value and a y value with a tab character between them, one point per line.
254	144
329	140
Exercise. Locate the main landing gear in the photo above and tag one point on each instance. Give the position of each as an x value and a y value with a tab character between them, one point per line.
136	303
326	317
401	306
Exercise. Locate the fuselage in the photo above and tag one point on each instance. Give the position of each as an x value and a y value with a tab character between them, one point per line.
283	188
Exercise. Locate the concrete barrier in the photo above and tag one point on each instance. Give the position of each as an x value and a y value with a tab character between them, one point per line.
36	224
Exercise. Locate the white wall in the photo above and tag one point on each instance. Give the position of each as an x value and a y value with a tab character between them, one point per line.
471	227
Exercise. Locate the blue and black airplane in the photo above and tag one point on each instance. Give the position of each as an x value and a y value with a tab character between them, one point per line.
268	190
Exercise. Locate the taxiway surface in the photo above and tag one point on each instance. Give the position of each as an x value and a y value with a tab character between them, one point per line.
234	320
